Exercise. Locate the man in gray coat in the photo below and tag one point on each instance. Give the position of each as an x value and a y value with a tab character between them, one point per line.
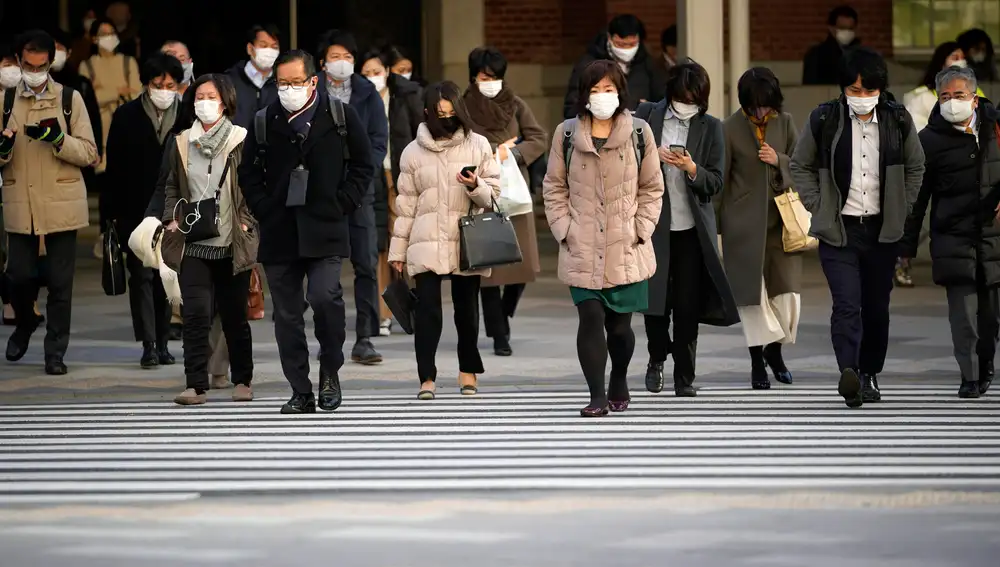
858	166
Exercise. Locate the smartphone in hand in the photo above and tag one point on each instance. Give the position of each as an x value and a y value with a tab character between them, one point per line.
678	149
468	170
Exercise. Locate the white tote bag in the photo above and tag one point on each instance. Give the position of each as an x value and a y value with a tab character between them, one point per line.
515	198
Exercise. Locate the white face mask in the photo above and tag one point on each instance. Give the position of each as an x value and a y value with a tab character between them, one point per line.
603	105
162	98
978	57
378	81
339	70
34	80
294	98
264	57
956	111
208	111
623	55
59	61
10	76
683	110
406	76
844	37
862	105
188	71
961	63
108	42
490	89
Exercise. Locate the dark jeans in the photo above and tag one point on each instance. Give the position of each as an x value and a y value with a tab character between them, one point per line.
429	321
364	259
860	278
326	298
22	269
684	288
148	302
208	284
499	305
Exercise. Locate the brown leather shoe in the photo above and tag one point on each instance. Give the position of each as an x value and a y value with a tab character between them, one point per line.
220	382
190	398
243	393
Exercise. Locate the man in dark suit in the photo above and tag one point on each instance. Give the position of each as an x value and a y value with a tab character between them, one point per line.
302	191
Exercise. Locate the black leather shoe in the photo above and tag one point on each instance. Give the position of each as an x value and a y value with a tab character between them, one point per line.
54	366
869	388
969	390
300	403
364	353
501	346
654	377
684	390
163	355
17	344
330	396
984	386
985	375
850	388
149	357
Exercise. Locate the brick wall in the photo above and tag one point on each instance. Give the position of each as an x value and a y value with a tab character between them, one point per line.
556	31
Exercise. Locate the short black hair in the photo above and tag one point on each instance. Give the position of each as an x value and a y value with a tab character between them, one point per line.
369	55
393	54
973	38
625	25
669	37
297	55
159	64
333	37
100	21
445	90
62	38
689	82
865	63
7	51
489	60
270	29
591	75
35	41
841	12
759	88
223	84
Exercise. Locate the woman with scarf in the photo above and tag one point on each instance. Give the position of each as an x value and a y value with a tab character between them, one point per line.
765	280
211	237
506	121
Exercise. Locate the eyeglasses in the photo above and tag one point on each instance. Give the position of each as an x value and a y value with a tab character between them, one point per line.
284	86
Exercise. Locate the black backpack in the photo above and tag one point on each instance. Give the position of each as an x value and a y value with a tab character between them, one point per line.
336	109
638	140
67	107
824	129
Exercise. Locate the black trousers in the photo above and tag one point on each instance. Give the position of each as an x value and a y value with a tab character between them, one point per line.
364	259
22	271
860	278
148	302
207	285
684	287
429	321
326	298
974	320
499	304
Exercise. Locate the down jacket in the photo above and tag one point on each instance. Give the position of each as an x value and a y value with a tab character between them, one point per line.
604	210
431	200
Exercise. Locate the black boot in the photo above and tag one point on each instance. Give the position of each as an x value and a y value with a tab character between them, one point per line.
654	377
54	366
163	354
772	355
330	396
758	369
869	388
149	359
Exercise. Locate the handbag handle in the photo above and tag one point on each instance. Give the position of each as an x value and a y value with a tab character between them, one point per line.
493	207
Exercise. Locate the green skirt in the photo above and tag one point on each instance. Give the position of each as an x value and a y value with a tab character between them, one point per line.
628	298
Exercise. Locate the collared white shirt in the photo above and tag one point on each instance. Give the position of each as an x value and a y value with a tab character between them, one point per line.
255	76
863	194
973	125
675	132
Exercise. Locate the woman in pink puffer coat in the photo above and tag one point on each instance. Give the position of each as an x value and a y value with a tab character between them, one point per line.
433	196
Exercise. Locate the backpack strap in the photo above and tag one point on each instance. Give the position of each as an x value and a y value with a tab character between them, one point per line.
340	121
823	124
8	105
638	142
569	128
260	134
67	108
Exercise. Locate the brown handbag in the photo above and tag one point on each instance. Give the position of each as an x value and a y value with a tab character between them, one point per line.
255	301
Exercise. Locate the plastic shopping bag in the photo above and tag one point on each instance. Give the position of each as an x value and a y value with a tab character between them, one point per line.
515	198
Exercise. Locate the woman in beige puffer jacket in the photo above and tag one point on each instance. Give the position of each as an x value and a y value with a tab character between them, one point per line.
432	196
603	211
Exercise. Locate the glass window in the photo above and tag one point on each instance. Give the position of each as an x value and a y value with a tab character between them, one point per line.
921	25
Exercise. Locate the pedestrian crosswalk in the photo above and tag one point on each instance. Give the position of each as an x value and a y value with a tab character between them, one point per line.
789	438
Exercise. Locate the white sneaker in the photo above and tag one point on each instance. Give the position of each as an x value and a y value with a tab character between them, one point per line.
385	329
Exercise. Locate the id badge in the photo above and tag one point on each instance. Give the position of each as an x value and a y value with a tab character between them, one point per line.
298	184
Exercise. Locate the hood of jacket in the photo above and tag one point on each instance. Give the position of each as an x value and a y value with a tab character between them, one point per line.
401	86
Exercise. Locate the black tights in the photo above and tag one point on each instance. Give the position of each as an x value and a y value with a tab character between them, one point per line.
593	349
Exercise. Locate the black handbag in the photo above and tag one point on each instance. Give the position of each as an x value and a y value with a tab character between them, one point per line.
401	300
200	219
112	265
487	240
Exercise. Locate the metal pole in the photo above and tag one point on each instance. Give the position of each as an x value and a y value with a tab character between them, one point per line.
293	23
739	47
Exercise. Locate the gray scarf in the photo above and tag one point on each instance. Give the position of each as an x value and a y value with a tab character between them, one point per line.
211	143
162	123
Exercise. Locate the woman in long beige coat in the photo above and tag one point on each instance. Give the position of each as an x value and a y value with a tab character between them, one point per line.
603	208
507	122
433	194
765	280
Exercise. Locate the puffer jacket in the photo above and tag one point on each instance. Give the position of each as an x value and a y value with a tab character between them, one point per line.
604	210
431	200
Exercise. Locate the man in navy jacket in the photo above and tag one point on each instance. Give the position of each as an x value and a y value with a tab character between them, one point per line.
338	50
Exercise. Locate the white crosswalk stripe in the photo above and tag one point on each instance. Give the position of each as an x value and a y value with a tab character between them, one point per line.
794	438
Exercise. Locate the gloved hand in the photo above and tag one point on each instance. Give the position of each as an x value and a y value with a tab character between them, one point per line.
46	131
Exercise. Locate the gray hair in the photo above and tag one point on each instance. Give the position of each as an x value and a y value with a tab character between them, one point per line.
954	74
